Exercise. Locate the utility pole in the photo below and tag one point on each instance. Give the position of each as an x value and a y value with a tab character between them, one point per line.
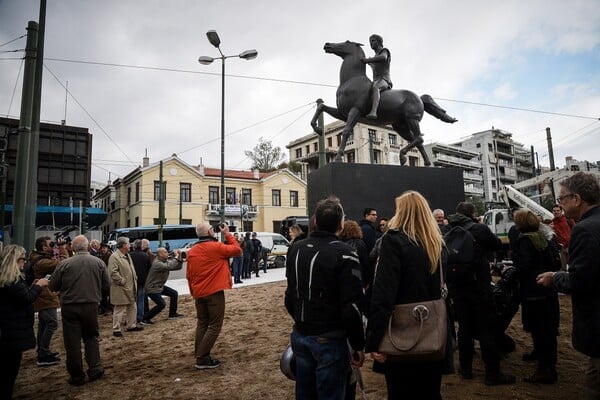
21	222
161	204
550	151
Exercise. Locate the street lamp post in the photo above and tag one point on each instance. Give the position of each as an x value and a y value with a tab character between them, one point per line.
213	38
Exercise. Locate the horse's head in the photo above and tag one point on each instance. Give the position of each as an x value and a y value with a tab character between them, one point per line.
344	49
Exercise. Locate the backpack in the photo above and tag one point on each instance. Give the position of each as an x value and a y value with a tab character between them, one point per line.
28	272
461	254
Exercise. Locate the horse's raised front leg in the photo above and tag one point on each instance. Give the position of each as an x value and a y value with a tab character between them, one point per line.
417	142
353	117
321	107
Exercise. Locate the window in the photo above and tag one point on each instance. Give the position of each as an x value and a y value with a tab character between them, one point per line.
128	196
185	192
372	135
299	153
293	198
276	197
307	150
316	146
137	192
350	137
339	139
393	139
413	161
493	171
213	195
137	221
330	141
247	196
478	145
350	157
230	195
128	223
157	190
185	221
490	147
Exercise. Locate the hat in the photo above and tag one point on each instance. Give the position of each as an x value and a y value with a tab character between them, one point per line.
253	233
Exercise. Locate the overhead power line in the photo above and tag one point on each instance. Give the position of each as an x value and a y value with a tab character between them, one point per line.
88	114
14	40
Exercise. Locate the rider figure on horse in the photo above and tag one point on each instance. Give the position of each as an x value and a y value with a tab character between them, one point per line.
380	63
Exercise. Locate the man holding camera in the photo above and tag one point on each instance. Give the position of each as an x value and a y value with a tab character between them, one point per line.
44	259
208	276
156	288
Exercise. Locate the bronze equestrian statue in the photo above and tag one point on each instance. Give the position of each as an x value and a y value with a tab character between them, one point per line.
402	109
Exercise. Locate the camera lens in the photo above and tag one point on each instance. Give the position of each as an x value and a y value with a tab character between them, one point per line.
52	244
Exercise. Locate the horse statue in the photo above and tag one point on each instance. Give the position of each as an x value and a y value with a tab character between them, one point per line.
402	109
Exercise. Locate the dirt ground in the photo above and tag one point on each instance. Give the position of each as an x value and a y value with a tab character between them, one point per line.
158	363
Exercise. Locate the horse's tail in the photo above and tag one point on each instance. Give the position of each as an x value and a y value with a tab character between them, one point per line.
434	109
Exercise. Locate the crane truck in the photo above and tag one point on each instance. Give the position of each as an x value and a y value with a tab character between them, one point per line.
500	220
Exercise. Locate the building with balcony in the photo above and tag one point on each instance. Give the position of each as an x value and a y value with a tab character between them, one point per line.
254	201
503	160
574	165
368	144
447	156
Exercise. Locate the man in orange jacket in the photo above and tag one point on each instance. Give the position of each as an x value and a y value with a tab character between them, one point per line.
208	276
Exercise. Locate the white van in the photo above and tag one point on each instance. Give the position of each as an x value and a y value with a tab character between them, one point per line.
276	244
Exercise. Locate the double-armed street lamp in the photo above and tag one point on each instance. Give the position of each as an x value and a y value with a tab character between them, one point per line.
213	38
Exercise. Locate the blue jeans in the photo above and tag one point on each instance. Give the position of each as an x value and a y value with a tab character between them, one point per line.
322	367
141	303
47	325
238	265
160	303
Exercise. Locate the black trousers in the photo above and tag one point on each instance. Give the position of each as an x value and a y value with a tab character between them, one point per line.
475	318
80	322
541	319
11	362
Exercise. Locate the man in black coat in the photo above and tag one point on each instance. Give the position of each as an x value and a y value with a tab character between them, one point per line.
367	226
580	200
142	263
473	304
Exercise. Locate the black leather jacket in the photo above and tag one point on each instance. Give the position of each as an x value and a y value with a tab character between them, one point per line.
324	288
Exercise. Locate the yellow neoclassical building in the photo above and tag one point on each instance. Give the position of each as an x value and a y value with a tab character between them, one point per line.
254	201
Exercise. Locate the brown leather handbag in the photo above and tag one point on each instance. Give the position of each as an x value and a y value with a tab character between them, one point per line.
417	332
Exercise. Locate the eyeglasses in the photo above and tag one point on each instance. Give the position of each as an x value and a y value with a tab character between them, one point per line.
373	214
381	225
560	199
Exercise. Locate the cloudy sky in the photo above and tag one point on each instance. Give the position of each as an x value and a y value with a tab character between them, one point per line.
134	79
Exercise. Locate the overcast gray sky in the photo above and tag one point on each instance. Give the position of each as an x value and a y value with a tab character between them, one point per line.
538	55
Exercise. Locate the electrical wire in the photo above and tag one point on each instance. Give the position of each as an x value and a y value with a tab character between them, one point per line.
14	40
12	97
245	128
300	83
89	115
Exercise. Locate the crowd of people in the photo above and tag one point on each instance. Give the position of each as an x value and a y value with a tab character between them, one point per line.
344	278
332	289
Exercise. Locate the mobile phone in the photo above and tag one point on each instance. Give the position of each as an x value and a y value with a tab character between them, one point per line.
48	276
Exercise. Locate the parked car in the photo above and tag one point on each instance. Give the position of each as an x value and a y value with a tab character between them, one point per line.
186	247
277	246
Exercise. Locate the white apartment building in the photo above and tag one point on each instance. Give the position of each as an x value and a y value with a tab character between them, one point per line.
444	155
503	160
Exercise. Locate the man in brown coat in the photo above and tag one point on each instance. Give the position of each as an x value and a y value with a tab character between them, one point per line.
45	259
123	287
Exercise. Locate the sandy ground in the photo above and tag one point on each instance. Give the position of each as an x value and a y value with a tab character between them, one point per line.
158	363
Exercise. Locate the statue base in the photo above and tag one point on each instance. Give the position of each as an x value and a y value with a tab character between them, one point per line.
366	185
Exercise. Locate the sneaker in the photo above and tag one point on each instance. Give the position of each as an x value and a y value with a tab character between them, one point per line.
117	334
135	329
175	316
500	379
47	360
207	363
146	322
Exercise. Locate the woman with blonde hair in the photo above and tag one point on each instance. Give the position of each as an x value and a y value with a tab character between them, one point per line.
16	315
408	271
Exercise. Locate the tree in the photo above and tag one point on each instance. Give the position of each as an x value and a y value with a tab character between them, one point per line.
264	156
